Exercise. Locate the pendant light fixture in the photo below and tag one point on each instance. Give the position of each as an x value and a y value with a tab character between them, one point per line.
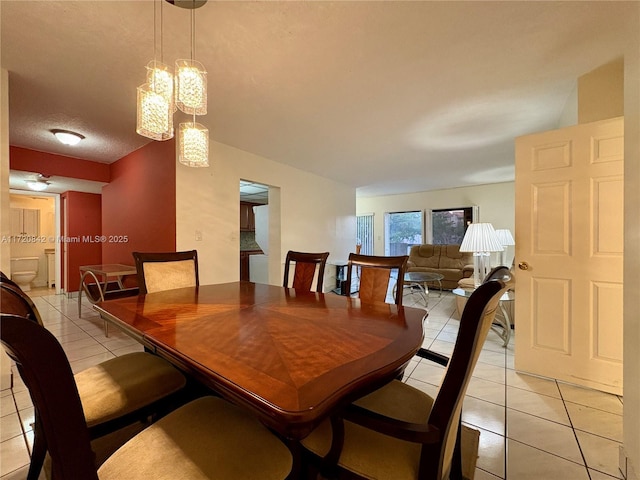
155	98
191	98
164	93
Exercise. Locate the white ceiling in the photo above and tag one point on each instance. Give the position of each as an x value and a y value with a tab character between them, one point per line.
389	97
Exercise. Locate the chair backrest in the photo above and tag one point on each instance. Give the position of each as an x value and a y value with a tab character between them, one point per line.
159	271
475	323
46	372
375	274
15	302
306	265
499	273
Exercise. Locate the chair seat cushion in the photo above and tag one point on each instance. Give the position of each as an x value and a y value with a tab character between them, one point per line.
125	384
206	438
371	454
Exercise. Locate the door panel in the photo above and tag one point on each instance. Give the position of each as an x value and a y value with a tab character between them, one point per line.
569	230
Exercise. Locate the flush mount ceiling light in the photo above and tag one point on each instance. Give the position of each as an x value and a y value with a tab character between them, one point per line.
38	184
67	137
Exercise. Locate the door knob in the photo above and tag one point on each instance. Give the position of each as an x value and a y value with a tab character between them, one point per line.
523	266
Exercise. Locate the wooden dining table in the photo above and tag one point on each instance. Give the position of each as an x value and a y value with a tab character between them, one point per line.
291	358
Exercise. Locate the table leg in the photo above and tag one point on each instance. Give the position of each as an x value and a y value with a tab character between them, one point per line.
504	322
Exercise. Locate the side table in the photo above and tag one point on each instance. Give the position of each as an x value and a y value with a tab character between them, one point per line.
502	321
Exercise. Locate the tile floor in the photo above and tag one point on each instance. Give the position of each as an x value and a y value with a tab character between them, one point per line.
531	428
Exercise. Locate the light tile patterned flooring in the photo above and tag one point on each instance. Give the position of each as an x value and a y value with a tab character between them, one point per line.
531	428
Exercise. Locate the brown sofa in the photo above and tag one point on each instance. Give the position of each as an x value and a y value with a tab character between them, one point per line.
447	260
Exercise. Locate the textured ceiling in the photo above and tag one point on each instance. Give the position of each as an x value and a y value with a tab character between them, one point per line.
389	97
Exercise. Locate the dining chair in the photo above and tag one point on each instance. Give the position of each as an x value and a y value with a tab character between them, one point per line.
400	432
375	274
160	271
114	394
306	265
205	438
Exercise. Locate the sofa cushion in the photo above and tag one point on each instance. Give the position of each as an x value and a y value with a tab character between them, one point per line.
425	255
452	257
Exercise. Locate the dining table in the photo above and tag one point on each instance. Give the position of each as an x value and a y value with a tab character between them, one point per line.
292	358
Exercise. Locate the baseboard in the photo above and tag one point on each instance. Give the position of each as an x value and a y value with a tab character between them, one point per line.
626	467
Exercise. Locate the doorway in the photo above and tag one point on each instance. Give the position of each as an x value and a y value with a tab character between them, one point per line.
254	231
42	238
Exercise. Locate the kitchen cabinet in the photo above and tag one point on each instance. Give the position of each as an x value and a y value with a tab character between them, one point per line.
25	221
247	218
244	262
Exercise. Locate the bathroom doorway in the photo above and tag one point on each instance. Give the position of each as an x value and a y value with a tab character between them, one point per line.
35	232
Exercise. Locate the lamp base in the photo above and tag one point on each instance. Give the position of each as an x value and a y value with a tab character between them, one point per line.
190	4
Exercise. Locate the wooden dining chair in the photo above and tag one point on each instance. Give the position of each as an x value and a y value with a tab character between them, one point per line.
114	394
400	432
158	271
375	274
306	265
205	438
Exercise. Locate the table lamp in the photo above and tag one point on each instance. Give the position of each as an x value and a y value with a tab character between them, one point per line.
481	239
506	239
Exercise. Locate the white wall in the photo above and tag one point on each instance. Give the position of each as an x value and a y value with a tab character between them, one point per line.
496	204
314	214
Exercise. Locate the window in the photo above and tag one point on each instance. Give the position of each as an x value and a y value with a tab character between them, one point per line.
364	233
402	230
448	225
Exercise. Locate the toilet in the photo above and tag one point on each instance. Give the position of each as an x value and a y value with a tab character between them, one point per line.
24	271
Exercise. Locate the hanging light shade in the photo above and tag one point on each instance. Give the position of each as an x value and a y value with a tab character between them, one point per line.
154	114
193	146
191	87
160	80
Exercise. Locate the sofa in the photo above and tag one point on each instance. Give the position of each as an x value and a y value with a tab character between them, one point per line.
447	260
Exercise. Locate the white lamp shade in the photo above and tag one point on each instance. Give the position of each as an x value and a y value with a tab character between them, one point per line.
481	237
505	237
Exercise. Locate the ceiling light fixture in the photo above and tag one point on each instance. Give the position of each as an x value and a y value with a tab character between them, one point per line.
164	93
191	98
67	137
154	118
39	184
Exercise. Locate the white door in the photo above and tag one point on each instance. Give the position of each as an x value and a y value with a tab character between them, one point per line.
569	254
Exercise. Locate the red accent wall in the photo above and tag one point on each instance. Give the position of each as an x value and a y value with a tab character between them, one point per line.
139	203
84	225
57	165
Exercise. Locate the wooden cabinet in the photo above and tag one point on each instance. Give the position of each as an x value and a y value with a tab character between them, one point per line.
247	218
25	221
244	262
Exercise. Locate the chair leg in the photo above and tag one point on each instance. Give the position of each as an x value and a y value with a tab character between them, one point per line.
456	461
39	451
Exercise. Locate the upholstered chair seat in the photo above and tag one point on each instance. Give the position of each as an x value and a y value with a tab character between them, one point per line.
363	447
124	384
207	438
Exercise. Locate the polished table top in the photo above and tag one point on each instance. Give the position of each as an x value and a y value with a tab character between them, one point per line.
291	358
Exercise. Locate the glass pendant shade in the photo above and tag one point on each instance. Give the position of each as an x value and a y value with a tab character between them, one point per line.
160	80
191	87
193	139
154	114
